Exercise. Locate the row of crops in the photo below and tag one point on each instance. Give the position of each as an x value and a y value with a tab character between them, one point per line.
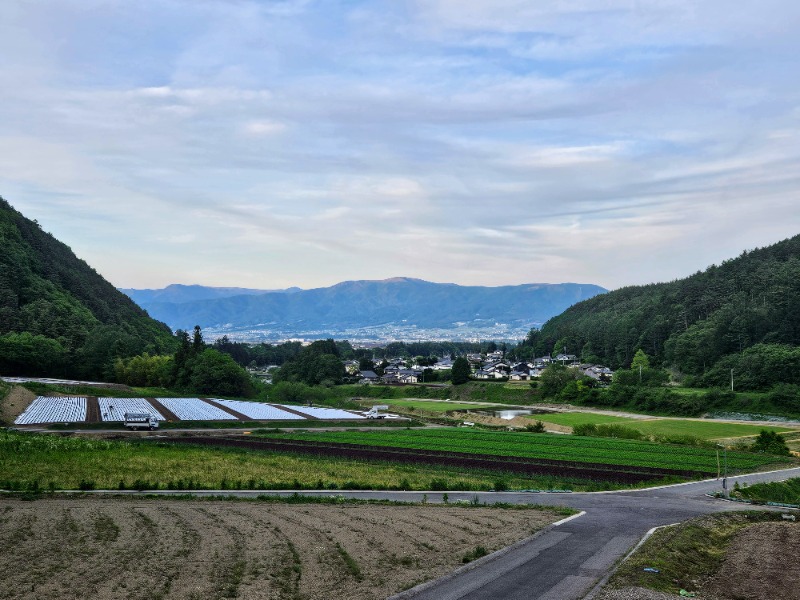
543	446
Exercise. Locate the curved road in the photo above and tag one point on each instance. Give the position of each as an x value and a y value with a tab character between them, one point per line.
566	560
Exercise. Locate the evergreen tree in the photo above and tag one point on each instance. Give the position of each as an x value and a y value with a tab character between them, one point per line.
461	371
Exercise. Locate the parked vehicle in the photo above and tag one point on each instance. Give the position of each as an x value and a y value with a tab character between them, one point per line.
140	421
374	412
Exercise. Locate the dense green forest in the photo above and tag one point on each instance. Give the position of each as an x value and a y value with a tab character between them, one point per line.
743	315
58	316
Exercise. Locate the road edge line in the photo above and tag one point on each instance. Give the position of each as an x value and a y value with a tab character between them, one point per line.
422	587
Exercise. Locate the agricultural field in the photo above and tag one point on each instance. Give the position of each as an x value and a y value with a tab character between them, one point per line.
670	428
573	449
570	419
706	430
436	405
55	548
49	461
91	409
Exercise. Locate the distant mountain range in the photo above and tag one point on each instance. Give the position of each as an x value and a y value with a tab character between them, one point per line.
397	302
179	294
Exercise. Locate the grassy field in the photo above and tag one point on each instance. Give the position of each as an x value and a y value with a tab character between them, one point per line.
435	406
670	428
570	419
30	461
554	447
701	429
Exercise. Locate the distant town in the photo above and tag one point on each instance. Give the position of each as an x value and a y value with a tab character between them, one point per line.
378	335
491	366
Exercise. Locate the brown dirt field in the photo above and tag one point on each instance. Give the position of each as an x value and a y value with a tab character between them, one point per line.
761	563
108	548
15	403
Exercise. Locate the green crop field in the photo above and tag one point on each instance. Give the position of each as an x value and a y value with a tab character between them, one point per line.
554	447
437	405
570	419
30	462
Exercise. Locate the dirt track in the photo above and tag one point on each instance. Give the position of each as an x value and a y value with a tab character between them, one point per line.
136	548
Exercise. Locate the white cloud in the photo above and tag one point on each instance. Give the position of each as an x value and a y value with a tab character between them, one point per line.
302	143
261	128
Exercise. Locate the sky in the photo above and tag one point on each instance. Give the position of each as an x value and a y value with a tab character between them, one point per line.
269	144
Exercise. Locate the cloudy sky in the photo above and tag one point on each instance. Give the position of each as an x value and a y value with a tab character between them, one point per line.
271	143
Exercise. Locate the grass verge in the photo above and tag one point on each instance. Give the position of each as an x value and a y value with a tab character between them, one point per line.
784	492
684	555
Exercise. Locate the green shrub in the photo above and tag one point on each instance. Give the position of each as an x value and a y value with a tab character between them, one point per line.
609	430
474	554
537	427
770	442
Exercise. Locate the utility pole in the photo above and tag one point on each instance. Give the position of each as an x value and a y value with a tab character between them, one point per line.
731	379
725	468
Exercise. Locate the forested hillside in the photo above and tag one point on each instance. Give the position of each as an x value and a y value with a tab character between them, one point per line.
58	316
743	314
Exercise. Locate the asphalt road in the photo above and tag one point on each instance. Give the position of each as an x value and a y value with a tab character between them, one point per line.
568	559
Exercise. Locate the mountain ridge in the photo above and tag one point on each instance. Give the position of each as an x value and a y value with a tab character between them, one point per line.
367	303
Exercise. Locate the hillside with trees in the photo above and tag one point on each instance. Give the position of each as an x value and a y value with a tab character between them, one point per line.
58	316
743	315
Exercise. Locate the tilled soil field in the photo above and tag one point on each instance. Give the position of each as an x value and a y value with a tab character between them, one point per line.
105	548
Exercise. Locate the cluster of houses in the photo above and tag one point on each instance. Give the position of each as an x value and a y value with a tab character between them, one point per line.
486	367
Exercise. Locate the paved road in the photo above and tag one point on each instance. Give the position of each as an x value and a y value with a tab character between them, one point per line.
565	561
568	560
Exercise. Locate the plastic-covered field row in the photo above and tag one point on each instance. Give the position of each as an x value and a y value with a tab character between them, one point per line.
53	410
195	409
114	409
